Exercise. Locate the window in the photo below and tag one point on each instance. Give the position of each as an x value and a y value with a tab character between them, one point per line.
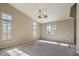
51	30
34	28
7	26
54	29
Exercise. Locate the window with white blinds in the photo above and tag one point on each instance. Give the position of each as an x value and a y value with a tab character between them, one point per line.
34	28
7	26
51	30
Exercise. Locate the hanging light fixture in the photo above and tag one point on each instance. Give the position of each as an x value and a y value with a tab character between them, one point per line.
41	15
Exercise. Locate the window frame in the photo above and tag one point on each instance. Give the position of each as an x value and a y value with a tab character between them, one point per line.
51	30
34	28
6	26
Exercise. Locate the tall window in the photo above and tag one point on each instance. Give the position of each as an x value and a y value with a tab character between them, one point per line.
34	28
7	26
51	30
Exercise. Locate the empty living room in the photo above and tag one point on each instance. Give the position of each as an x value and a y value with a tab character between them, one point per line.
39	29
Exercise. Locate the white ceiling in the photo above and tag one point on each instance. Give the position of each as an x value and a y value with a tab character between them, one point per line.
55	11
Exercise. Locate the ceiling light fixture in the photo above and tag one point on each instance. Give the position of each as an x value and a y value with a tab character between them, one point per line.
41	15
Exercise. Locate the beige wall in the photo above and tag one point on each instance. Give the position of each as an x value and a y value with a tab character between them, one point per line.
64	31
21	27
77	47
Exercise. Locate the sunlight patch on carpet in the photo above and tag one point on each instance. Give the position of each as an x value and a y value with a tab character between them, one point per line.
50	42
16	52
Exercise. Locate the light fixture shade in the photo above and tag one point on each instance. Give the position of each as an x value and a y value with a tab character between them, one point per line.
39	16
